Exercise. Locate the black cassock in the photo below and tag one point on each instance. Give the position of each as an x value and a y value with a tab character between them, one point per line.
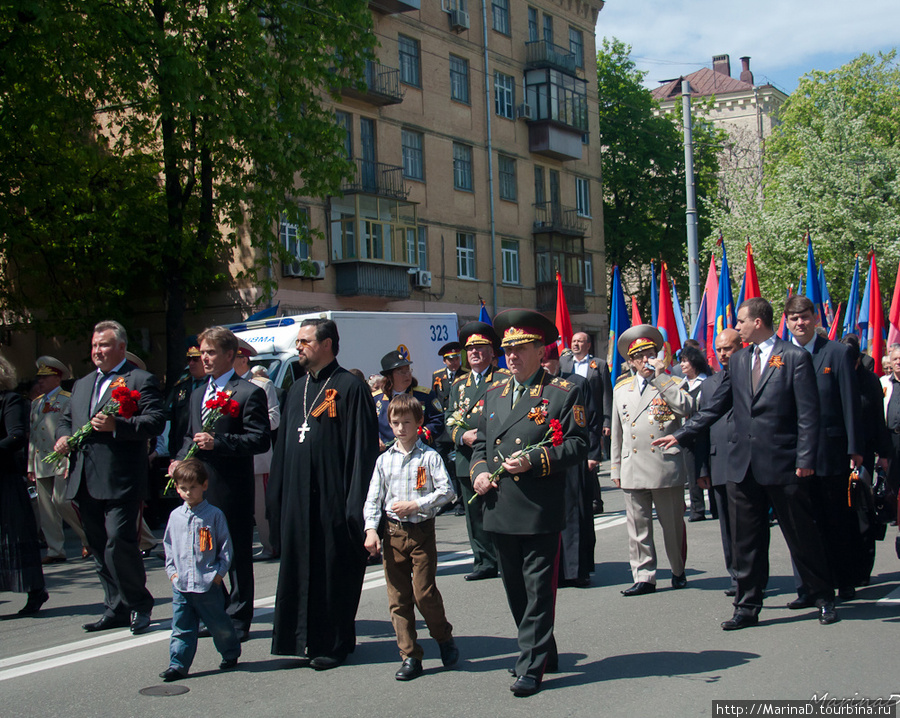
315	499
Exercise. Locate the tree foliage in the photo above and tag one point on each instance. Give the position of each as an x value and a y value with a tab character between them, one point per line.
643	173
150	141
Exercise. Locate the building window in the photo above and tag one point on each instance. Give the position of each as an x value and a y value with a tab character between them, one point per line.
532	25
588	269
559	96
576	46
459	79
409	60
413	163
507	178
291	239
462	166
509	250
500	12
539	197
345	121
582	197
465	255
548	28
423	249
505	95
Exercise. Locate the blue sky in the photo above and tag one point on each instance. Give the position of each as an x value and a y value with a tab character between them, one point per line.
784	38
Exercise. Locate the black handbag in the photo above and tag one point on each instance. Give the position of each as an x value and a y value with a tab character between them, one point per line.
885	500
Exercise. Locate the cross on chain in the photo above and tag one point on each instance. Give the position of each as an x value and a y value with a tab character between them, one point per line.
303	429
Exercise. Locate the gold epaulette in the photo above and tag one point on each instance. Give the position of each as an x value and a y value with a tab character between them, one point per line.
624	378
63	392
561	383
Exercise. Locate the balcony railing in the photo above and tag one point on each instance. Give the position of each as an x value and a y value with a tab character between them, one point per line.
376	178
382	85
541	53
554	217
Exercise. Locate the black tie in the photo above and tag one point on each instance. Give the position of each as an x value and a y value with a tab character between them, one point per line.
756	371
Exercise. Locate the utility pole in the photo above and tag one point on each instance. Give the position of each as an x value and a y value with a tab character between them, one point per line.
691	206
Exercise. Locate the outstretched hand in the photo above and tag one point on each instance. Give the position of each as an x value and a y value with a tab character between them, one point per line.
666	442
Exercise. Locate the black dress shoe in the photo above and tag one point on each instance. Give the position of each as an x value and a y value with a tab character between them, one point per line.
525	686
481	573
597	507
140	622
410	668
172	674
801	602
36	599
641	588
460	510
449	653
739	621
731	592
699	517
204	633
106	623
679	581
227	664
325	663
827	613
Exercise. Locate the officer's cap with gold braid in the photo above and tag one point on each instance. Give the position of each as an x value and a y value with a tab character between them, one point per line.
193	351
638	338
245	350
479	333
449	350
520	326
51	366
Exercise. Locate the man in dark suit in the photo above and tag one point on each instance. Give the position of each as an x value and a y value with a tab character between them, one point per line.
524	504
108	474
772	390
840	446
464	410
227	451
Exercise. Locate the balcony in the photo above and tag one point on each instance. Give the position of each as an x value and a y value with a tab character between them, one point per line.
551	217
376	178
392	7
370	279
542	54
382	86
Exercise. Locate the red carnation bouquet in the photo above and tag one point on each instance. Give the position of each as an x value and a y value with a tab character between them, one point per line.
553	436
220	405
122	401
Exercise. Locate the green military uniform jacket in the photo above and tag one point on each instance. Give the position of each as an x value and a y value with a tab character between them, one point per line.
466	402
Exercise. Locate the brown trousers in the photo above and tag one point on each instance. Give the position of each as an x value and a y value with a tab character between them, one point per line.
410	567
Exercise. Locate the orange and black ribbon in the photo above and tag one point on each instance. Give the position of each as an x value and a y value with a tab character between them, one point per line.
328	405
420	477
205	539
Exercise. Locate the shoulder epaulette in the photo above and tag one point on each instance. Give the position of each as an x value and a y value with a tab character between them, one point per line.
561	383
624	378
421	390
460	380
63	392
376	393
502	371
501	382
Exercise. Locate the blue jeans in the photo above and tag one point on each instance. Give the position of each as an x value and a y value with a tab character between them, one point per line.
188	609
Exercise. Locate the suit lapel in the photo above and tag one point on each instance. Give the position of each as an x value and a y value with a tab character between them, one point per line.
819	357
121	374
777	350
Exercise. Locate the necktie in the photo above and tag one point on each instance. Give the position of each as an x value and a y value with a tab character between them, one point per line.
476	377
756	371
210	394
102	376
517	393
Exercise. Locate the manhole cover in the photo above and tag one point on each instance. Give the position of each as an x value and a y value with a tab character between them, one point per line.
164	690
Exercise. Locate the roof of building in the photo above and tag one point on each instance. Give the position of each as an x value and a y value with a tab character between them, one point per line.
704	82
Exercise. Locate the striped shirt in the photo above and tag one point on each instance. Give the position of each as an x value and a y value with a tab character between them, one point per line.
395	477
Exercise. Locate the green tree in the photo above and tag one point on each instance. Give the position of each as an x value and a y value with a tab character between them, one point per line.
219	103
643	173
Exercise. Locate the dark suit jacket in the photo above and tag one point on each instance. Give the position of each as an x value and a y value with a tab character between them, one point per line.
237	439
113	466
776	428
532	502
600	385
714	446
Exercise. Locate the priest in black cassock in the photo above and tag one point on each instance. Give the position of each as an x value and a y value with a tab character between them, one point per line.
323	461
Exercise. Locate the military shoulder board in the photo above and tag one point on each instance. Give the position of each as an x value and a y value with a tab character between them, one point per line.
562	384
622	379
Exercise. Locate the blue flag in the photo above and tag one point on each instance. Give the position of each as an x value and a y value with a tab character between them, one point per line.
850	316
863	320
679	317
619	321
654	296
264	313
813	288
483	316
725	318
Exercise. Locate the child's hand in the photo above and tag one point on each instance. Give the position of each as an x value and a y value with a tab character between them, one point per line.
373	543
174	577
405	508
218	580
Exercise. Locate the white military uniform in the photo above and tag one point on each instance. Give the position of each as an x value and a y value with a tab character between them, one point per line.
650	476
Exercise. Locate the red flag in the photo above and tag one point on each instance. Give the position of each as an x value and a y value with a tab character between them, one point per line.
563	322
894	316
666	320
751	283
711	291
876	321
635	313
832	332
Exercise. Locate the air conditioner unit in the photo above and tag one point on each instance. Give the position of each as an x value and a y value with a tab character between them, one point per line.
422	279
459	20
524	112
295	269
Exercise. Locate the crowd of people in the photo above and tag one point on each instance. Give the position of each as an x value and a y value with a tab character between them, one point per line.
342	471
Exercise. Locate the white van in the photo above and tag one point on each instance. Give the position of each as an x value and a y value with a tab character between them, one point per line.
365	337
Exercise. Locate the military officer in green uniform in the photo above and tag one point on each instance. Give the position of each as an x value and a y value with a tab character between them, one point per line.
524	503
441	381
466	402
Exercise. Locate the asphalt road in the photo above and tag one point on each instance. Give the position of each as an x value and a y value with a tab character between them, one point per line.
661	654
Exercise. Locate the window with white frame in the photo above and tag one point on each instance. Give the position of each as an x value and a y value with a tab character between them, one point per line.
462	166
291	237
413	161
587	267
576	46
507	167
509	251
459	79
408	49
416	247
423	248
582	197
500	14
465	255
505	95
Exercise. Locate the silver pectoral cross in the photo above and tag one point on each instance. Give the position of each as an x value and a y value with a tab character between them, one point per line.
303	430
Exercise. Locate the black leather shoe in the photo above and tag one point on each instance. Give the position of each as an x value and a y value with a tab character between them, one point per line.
639	589
731	592
739	621
525	686
326	663
827	613
848	593
801	602
106	623
409	670
227	664
698	517
172	674
204	633
481	573
449	653
34	603
679	581
140	622
460	510
596	507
